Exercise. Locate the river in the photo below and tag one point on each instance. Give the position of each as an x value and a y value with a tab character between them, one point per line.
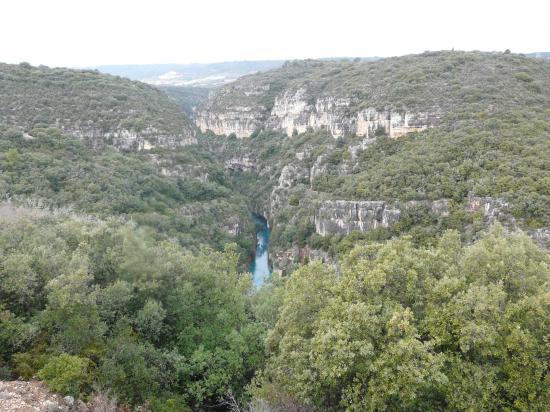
260	267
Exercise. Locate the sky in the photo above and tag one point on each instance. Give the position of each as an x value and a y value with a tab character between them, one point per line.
79	33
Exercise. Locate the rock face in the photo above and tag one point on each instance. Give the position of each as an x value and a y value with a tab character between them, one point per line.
294	112
287	259
34	396
344	217
168	167
240	121
292	174
240	164
124	139
489	206
541	236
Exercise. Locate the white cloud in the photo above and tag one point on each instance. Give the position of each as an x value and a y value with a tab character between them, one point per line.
78	33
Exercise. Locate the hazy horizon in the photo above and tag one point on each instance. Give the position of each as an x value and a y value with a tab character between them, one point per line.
73	34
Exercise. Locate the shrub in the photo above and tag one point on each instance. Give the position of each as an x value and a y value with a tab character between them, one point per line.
67	374
524	77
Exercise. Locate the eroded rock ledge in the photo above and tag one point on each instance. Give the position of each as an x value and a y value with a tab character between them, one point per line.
294	112
344	216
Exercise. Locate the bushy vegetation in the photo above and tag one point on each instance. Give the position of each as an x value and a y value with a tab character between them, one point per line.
188	97
136	288
401	327
398	327
86	304
491	141
504	155
432	80
85	99
60	172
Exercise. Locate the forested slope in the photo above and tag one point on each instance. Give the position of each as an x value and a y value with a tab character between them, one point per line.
99	108
485	158
411	280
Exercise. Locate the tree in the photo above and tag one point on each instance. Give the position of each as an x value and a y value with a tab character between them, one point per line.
405	327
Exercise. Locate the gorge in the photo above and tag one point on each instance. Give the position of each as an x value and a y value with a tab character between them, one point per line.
396	203
260	266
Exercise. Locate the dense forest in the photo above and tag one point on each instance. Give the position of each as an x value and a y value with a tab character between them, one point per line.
124	270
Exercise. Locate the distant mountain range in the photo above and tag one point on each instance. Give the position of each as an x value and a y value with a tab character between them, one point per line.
542	55
196	74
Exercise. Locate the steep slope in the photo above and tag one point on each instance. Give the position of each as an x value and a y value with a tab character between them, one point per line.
97	108
397	95
103	146
187	98
484	158
181	194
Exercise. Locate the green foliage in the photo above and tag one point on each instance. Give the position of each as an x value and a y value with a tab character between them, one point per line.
67	374
524	77
491	140
84	99
414	82
416	328
187	98
114	306
57	171
134	287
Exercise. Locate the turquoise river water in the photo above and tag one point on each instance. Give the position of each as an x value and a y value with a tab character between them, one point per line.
260	266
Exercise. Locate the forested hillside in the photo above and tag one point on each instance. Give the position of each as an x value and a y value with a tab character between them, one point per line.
432	79
485	158
181	195
411	269
187	98
99	108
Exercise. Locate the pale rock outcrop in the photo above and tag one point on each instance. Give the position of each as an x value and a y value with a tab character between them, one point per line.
22	396
395	124
440	207
319	167
240	164
124	139
295	112
285	260
344	217
292	174
491	207
234	226
540	236
167	167
241	121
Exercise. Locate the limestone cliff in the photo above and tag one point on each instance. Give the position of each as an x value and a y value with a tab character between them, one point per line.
344	216
294	112
240	121
129	139
341	97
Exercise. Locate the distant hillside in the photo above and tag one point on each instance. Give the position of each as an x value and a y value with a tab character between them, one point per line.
542	55
197	74
98	108
181	193
187	97
397	94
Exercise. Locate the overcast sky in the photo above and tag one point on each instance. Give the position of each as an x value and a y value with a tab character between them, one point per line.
88	33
